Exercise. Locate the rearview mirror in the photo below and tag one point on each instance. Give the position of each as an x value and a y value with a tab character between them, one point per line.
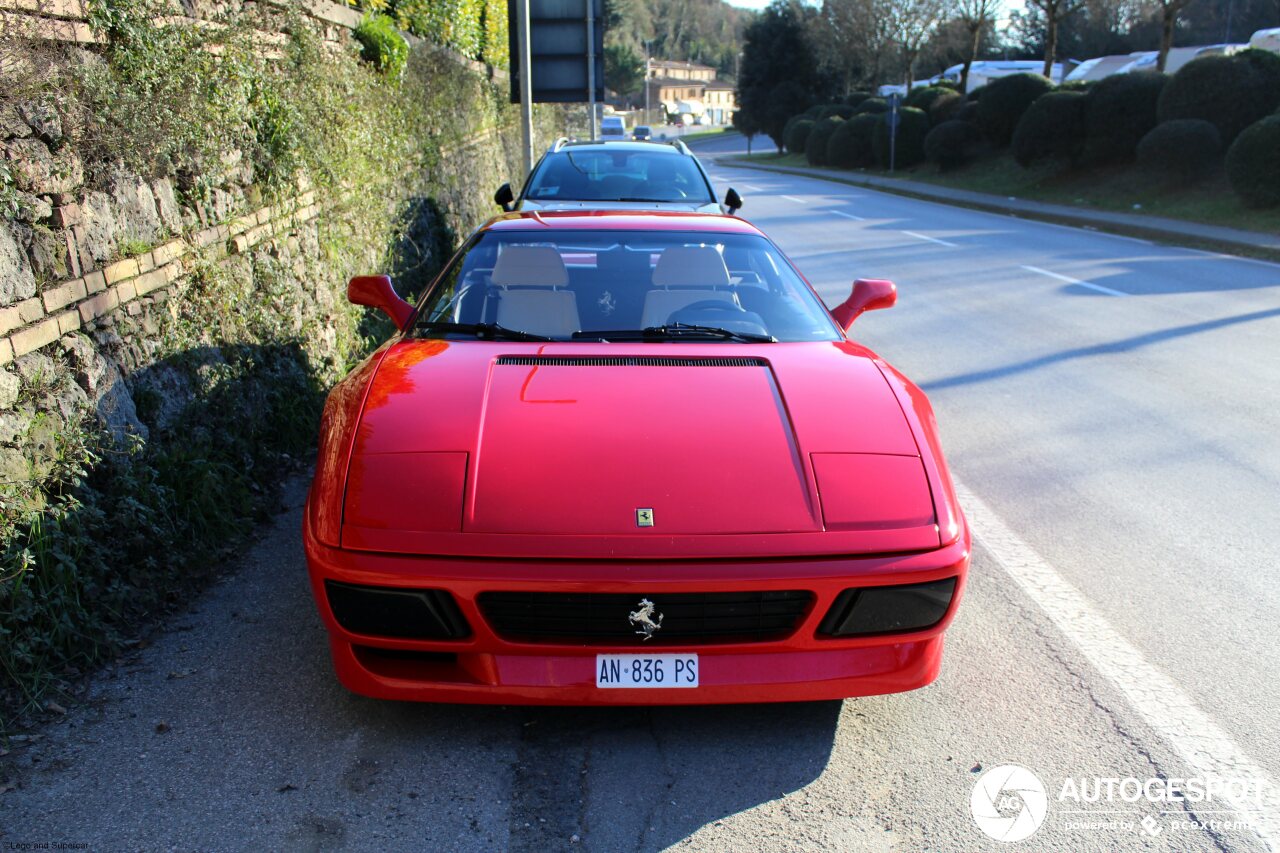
376	292
504	197
868	294
732	201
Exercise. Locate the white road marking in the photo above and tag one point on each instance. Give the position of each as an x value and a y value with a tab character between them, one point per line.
848	215
793	198
1203	745
1069	280
931	239
754	189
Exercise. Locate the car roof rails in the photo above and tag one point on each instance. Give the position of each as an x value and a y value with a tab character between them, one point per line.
558	144
679	145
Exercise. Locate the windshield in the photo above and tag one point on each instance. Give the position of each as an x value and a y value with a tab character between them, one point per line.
612	285
600	174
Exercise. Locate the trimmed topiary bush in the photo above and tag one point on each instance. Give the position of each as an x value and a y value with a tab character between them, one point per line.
1003	102
871	105
1119	110
946	107
855	98
1051	128
925	97
1231	92
829	110
797	134
850	146
815	149
1253	163
952	144
968	112
1181	151
913	127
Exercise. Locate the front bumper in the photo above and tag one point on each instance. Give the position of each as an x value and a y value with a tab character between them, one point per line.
490	669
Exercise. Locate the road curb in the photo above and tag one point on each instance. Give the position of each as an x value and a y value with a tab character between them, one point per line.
1254	243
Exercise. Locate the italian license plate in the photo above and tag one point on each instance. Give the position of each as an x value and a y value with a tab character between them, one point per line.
646	671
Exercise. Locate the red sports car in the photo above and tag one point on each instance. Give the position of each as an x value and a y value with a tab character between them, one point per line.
620	458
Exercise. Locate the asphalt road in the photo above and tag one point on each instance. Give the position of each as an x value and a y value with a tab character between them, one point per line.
1121	457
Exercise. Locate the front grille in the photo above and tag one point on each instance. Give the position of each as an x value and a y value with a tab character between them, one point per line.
687	618
632	361
379	611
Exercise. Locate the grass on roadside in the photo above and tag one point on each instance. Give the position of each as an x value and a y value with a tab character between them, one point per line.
704	134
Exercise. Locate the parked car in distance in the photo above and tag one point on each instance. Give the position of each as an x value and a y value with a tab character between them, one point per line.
613	127
630	458
642	133
623	175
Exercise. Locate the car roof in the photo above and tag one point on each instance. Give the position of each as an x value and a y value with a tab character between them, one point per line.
620	220
626	145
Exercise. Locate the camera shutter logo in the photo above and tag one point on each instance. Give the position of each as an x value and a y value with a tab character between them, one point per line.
1009	803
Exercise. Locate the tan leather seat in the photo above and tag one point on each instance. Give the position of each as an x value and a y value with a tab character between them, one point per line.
532	298
685	275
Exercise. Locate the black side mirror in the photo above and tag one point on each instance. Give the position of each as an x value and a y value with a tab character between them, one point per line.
732	201
504	197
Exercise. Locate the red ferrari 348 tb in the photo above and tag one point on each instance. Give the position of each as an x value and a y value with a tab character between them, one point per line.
621	458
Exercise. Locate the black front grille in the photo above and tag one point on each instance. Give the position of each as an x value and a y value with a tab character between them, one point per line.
633	361
379	611
691	617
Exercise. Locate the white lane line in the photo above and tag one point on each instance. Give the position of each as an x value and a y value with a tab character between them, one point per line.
793	198
754	189
931	239
1069	280
1208	750
848	216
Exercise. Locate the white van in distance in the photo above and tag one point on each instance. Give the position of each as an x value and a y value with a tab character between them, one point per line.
613	127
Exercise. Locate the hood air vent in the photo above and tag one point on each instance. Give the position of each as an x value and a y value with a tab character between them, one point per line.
632	361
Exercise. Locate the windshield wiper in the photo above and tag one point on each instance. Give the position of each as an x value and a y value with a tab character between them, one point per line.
675	331
484	331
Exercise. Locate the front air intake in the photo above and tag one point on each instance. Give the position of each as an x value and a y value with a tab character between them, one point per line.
632	361
410	614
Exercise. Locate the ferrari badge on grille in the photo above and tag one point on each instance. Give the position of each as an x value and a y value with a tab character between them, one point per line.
644	517
644	617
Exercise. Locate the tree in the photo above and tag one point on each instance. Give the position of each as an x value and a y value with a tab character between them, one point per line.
780	75
913	23
976	16
1054	11
623	69
1169	10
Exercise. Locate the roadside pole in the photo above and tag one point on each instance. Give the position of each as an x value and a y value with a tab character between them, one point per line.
591	65
894	118
526	86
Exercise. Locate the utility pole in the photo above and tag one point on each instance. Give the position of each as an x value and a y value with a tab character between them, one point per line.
591	66
526	85
648	118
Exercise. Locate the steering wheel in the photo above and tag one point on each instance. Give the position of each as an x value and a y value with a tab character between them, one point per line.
712	307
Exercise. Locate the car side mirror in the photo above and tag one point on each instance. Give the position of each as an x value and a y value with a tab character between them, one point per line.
732	201
376	292
504	197
869	294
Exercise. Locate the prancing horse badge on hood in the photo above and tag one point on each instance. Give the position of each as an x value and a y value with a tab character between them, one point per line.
644	517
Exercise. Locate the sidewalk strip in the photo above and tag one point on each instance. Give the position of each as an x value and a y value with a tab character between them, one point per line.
932	239
1207	749
1069	280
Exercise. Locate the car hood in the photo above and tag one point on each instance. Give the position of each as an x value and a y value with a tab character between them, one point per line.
608	450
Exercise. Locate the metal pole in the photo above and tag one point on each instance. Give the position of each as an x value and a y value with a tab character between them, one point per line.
648	119
526	85
591	66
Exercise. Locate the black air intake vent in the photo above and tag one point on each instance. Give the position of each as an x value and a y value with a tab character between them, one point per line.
411	614
687	617
632	361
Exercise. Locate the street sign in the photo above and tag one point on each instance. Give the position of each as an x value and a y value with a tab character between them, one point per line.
560	32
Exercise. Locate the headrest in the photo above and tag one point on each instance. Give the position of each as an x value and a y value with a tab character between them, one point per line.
532	266
690	266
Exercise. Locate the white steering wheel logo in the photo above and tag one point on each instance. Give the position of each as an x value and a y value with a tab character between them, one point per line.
1009	802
